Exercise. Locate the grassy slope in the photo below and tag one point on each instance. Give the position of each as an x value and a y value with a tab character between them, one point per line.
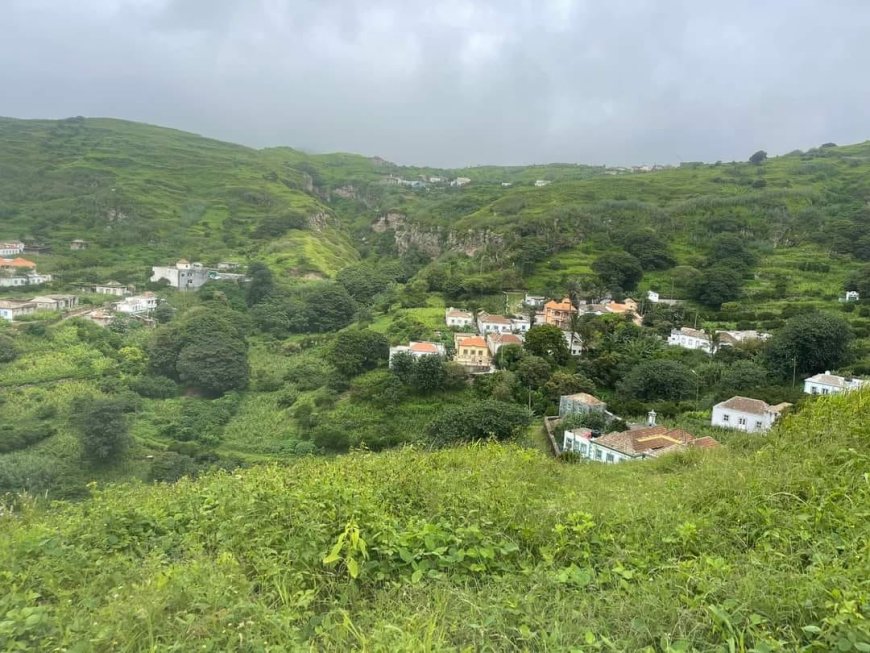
144	194
486	548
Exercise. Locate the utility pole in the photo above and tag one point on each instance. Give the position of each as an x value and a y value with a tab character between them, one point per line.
793	371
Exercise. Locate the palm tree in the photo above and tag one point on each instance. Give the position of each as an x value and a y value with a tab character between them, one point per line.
713	337
575	322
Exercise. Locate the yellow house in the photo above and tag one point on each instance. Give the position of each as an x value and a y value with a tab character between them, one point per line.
473	354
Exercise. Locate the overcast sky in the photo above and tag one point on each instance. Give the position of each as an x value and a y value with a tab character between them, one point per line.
455	82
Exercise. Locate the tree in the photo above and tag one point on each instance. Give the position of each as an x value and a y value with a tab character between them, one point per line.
261	284
214	366
741	377
102	428
652	252
565	383
205	347
659	379
618	269
363	281
758	158
729	249
717	285
328	307
8	349
429	374
357	350
859	280
163	313
485	419
402	365
508	356
547	341
533	371
809	343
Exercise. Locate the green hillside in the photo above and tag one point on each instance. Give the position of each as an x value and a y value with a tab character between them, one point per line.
760	546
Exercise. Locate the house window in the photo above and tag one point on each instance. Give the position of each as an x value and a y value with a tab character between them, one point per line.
598	454
583	448
741	421
610	457
815	390
825	391
726	417
758	425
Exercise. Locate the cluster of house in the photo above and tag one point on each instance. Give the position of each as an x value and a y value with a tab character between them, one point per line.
649	441
185	275
475	353
638	442
689	338
423	182
11	309
19	271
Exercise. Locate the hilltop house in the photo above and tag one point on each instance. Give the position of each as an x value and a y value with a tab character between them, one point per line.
633	444
460	181
418	349
496	341
689	338
111	288
540	183
13	248
852	296
184	275
458	318
746	414
534	301
520	324
652	296
78	244
17	263
487	323
473	354
831	384
55	302
100	317
558	313
575	344
138	304
11	309
20	272
580	403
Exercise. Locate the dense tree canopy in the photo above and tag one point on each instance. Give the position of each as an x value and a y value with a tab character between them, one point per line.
261	284
485	419
102	428
8	349
659	379
618	270
548	342
357	350
810	343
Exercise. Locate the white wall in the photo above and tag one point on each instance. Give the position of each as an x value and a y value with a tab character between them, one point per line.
734	419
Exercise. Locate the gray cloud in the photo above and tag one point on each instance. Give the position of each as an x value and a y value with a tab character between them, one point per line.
454	82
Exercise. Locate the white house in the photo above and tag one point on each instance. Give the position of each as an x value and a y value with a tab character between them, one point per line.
535	301
852	296
138	304
575	345
418	349
579	403
689	338
730	338
55	302
746	414
11	249
540	183
652	296
633	444
27	279
184	275
831	384
111	288
487	323
10	309
460	181
520	324
458	318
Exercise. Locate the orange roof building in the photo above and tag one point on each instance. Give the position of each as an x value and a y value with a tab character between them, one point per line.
17	262
473	354
559	313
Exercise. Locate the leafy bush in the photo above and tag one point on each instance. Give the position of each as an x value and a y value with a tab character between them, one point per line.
154	387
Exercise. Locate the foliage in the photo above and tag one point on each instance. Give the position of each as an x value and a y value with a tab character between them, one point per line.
154	387
547	341
486	419
462	548
103	428
618	269
8	349
758	157
261	284
809	344
356	350
659	379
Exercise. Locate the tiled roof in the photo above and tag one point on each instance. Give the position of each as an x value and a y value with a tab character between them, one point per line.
646	440
492	319
585	398
474	341
829	379
5	303
424	347
455	312
745	405
693	333
705	443
506	339
564	305
17	263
